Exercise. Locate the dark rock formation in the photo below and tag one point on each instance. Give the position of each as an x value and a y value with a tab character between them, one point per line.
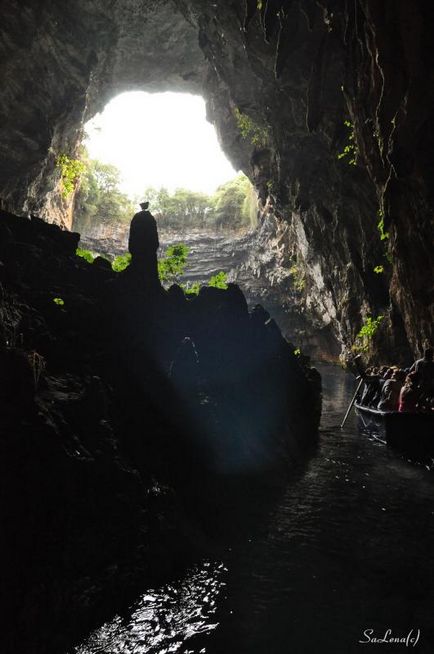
298	70
117	403
257	260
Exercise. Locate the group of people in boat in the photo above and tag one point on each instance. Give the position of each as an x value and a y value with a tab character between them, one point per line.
397	389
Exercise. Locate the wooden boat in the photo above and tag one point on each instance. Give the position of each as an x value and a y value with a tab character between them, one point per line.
408	432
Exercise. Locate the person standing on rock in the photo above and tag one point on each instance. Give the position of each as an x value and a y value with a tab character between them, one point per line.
143	244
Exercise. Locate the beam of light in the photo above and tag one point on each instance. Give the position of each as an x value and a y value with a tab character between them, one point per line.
159	139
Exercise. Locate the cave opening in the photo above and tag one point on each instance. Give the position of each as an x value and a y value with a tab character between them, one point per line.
160	148
159	140
162	449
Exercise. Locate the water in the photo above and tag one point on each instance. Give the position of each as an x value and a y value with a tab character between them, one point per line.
347	547
164	619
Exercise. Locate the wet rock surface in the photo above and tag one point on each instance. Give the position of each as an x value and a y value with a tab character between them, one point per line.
119	406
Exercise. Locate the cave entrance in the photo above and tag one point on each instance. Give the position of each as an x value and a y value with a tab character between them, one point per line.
159	140
159	147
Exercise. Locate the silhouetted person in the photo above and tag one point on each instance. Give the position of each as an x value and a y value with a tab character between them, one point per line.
143	245
425	370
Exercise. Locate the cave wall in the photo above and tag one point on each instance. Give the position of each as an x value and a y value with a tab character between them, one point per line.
389	92
60	64
299	70
303	69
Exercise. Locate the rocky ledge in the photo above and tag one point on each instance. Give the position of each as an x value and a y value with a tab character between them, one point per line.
256	260
117	408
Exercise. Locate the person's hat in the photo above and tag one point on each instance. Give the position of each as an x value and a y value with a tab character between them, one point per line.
144	205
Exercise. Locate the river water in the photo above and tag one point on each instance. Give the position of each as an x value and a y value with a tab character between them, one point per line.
347	547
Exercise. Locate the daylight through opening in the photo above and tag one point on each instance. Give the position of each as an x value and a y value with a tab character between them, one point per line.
159	147
159	139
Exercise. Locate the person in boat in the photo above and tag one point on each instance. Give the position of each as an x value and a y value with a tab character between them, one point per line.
388	372
425	370
143	244
390	393
375	383
409	395
371	392
384	374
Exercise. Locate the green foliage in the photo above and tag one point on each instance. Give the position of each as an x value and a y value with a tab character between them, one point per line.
172	265
383	235
258	135
366	333
99	199
121	262
370	326
233	206
170	269
59	301
298	279
182	209
379	269
87	255
191	289
350	150
70	170
219	280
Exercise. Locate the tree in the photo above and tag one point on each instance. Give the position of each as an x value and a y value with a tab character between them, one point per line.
99	198
235	203
183	208
172	265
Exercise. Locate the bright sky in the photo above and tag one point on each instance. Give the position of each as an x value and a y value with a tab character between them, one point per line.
159	139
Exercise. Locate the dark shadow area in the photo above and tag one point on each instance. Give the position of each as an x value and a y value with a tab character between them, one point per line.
133	419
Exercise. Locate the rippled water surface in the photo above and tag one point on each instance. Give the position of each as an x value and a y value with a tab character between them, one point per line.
348	546
164	619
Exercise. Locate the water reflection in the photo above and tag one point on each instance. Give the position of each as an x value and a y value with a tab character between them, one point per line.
346	547
165	620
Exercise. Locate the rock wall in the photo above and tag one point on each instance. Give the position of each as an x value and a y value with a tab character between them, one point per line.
60	65
324	80
124	413
258	261
298	70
